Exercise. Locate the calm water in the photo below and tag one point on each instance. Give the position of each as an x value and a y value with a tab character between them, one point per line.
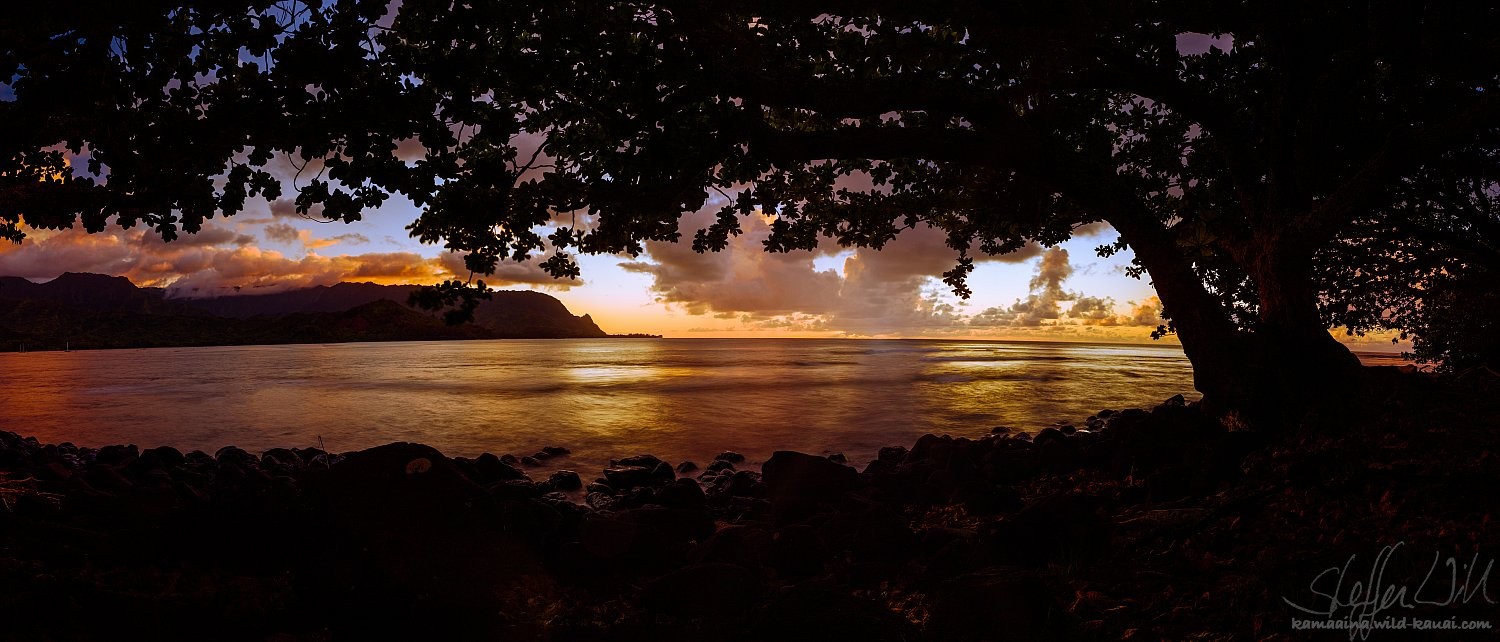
676	398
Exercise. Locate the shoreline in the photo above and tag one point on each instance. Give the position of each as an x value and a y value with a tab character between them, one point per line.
1144	522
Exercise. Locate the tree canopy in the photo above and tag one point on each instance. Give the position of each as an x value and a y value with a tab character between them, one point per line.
1273	167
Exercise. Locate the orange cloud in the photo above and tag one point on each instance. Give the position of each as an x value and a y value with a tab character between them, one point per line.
218	260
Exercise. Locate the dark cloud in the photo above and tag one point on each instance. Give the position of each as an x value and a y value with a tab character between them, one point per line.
281	233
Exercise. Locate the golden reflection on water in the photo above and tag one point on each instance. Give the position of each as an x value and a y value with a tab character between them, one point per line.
676	398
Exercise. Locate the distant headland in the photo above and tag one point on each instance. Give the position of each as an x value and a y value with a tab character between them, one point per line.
82	311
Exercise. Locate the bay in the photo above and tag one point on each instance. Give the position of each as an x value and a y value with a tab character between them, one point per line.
675	398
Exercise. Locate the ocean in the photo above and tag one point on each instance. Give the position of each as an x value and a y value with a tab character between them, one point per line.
679	399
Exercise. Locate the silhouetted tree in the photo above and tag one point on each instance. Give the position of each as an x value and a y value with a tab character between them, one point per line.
1225	170
1426	264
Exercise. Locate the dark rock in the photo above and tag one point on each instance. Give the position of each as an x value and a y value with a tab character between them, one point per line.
873	534
541	455
1047	435
627	477
683	494
926	447
893	454
746	484
1107	455
276	456
702	591
718	465
1065	527
556	451
235	455
1011	461
600	501
1175	400
796	552
108	478
649	462
509	459
403	518
977	606
808	612
492	469
1059	455
663	473
1001	430
747	546
530	461
1126	418
1068	429
643	538
55	471
798	484
117	455
686	467
162	457
565	480
730	456
517	489
597	486
838	458
982	498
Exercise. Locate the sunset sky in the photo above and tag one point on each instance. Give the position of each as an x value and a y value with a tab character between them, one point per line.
1063	293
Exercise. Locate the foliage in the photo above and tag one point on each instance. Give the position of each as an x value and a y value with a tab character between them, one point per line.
1426	266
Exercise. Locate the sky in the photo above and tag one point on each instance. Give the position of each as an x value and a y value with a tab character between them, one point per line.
1063	293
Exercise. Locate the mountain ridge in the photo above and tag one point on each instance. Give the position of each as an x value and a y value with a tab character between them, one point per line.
86	311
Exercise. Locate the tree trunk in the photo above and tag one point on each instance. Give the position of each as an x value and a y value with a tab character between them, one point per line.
1299	363
1271	374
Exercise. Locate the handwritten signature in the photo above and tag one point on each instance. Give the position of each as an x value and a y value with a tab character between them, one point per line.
1366	598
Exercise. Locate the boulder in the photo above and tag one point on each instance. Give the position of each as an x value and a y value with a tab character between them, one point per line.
796	552
649	462
712	591
745	484
565	480
747	546
799	484
235	455
683	494
663	473
809	612
117	455
1047	435
643	538
627	477
730	456
686	467
494	469
1072	528
980	605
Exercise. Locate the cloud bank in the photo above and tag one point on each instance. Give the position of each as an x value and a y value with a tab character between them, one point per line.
893	291
221	260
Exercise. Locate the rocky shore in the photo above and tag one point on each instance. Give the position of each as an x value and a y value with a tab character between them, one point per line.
1138	524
